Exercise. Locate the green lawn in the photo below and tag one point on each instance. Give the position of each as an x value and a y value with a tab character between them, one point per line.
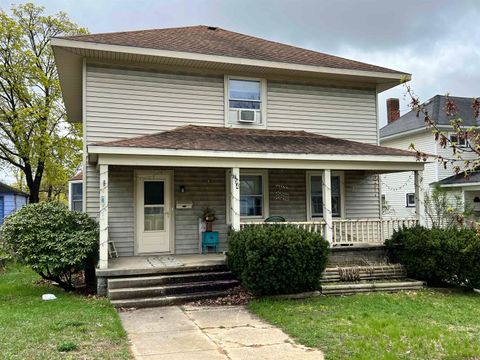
419	325
71	327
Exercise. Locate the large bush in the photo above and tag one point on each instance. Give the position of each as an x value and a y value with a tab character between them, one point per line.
438	256
54	241
277	259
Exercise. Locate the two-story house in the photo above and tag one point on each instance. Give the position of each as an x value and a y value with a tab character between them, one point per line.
177	120
398	190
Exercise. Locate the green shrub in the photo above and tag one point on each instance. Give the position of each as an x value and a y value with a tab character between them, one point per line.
438	256
54	241
277	259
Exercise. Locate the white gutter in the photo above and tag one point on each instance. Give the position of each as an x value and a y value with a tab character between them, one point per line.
118	150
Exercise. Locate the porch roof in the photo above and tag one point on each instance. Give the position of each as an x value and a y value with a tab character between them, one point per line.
203	146
201	138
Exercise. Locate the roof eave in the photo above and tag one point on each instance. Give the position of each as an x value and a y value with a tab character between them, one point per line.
129	150
70	68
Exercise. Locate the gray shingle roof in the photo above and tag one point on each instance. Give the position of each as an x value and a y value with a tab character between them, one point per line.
473	177
217	41
6	189
436	107
192	137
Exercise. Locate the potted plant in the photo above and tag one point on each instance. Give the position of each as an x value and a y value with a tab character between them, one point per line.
209	217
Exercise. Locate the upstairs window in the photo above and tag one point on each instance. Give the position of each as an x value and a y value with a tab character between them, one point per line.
245	102
460	141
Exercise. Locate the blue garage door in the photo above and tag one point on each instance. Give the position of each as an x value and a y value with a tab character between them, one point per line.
2	212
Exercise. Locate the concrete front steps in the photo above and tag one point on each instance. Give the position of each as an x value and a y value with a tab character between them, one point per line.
350	288
169	289
360	279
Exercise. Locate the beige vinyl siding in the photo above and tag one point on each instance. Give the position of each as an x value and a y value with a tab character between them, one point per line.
395	197
361	195
287	191
204	187
124	103
121	209
344	113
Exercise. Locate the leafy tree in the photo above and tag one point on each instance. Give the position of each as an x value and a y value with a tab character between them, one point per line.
458	161
444	209
34	136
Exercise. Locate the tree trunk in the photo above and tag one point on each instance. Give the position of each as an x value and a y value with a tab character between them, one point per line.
49	193
33	183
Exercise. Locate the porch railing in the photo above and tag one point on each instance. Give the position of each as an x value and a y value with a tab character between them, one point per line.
350	231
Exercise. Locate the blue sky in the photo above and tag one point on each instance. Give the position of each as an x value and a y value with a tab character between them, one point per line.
436	41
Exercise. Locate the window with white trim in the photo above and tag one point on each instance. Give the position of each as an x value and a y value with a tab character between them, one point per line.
410	200
76	196
316	196
251	195
460	141
245	103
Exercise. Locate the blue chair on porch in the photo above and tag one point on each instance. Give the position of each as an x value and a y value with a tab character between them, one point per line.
210	240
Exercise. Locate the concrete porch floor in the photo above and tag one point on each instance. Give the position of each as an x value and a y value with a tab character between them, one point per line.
153	264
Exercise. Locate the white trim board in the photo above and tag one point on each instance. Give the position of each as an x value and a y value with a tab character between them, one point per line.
259	163
125	150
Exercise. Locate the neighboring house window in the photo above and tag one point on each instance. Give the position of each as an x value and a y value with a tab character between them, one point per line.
253	188
76	196
316	196
246	102
410	200
461	141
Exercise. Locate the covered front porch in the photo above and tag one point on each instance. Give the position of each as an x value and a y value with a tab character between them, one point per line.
151	200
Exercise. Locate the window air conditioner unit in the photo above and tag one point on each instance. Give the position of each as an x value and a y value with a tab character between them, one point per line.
246	116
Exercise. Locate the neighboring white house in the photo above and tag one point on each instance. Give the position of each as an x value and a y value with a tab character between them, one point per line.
398	190
176	120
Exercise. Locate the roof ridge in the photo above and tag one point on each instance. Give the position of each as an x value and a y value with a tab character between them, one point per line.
72	37
180	39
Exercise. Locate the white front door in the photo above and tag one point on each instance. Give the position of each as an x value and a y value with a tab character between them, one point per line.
154	213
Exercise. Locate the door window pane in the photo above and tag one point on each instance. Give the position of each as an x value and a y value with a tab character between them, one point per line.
154	218
153	192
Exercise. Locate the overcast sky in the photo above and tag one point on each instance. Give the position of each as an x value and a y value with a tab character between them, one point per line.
436	41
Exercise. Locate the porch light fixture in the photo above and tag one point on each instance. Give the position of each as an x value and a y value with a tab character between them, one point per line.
182	188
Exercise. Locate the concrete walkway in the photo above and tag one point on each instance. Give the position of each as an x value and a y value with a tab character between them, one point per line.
208	333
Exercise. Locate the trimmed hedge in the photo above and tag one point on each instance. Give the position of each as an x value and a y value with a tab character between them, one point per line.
439	256
277	259
54	241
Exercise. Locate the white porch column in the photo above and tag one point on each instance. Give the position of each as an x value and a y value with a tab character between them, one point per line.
235	198
103	250
419	198
327	204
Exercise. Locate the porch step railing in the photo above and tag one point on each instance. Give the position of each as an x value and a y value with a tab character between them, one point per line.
351	231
